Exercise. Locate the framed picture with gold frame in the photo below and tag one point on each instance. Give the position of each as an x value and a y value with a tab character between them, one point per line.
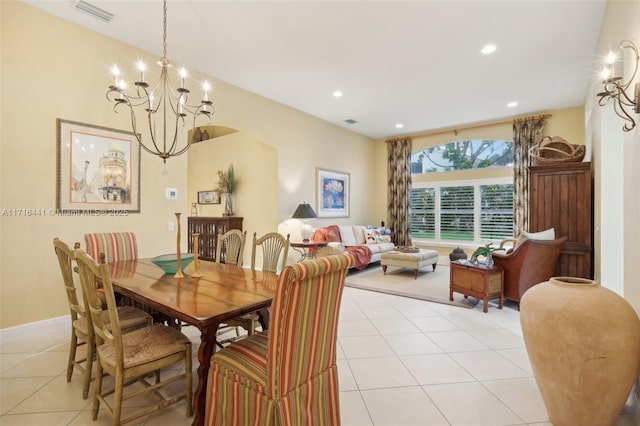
332	193
98	169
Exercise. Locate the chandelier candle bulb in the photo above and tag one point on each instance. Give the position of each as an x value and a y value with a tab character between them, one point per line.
141	68
116	72
183	75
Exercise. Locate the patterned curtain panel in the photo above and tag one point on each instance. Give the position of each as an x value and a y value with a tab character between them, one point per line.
526	133
399	189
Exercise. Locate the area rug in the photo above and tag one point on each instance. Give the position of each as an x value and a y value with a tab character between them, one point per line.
430	285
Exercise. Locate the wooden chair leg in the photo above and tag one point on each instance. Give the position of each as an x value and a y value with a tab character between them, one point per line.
97	391
72	355
117	399
88	367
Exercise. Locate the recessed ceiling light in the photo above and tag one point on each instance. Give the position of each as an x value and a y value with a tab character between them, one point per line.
512	104
399	126
337	93
489	48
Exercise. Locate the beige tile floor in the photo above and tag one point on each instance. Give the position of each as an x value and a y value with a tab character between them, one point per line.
402	362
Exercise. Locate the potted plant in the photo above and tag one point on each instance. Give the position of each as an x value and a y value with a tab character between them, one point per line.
226	185
485	251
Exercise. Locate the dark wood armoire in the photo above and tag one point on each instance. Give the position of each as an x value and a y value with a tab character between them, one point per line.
561	197
209	228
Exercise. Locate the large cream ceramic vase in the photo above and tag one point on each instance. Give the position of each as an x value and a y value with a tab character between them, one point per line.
583	342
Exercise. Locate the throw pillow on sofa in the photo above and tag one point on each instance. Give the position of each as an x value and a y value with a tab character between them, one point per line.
370	236
347	236
358	233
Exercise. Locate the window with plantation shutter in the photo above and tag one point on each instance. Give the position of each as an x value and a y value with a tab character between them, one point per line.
456	213
475	212
496	212
423	213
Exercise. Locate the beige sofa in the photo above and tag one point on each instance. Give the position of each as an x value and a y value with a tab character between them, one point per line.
366	244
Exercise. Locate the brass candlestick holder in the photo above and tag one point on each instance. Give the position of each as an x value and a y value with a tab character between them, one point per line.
179	271
196	263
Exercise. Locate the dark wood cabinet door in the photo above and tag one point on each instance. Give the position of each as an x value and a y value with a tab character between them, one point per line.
561	197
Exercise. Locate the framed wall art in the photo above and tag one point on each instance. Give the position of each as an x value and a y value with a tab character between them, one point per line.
98	169
208	197
332	193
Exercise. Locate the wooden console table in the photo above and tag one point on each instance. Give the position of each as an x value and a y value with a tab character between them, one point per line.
478	281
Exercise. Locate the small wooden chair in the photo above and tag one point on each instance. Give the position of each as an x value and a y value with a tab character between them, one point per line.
81	326
288	375
273	245
232	242
147	350
230	245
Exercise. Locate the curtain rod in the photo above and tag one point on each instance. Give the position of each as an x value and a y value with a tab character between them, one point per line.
477	126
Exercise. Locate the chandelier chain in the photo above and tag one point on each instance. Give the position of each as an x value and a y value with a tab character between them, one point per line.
164	31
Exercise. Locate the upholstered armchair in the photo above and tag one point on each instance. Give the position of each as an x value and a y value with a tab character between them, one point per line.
288	374
527	264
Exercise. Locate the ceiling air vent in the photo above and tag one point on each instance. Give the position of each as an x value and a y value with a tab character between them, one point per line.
350	121
94	11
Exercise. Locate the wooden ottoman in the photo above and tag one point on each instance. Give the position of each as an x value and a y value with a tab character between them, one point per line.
414	261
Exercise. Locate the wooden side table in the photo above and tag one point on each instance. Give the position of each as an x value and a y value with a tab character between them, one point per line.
478	281
305	249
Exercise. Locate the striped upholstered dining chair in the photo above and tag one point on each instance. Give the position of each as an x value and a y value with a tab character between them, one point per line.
120	246
114	245
288	374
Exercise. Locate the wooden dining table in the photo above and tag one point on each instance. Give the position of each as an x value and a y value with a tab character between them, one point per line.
223	292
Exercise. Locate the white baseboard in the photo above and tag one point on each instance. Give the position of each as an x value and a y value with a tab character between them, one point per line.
12	333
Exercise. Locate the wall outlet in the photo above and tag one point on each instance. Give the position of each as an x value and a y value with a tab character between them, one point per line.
172	226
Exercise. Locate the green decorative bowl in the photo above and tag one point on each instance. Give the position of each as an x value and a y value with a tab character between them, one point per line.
169	262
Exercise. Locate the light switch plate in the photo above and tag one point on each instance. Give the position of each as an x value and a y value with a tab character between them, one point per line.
171	193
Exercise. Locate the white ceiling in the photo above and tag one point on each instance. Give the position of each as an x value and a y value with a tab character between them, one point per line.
411	62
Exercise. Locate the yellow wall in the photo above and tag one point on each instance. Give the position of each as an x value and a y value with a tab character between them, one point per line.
253	162
52	69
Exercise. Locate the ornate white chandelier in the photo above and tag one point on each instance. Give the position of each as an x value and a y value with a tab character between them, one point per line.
161	104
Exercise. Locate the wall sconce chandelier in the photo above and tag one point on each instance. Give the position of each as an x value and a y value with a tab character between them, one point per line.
616	89
162	104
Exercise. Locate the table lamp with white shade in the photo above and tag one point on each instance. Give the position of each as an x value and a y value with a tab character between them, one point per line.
305	212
